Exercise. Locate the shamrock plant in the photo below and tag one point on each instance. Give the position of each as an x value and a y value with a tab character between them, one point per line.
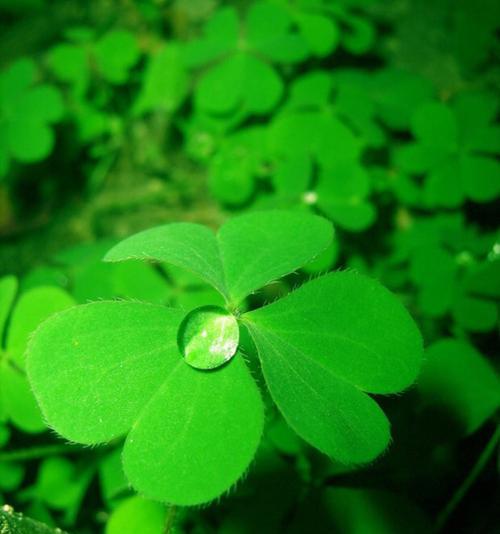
244	80
177	384
27	112
455	149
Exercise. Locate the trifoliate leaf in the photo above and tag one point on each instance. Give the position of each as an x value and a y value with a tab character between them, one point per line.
457	379
200	430
326	344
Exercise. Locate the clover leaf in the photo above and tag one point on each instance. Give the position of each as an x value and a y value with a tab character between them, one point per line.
304	140
27	112
112	55
455	148
17	321
244	82
178	386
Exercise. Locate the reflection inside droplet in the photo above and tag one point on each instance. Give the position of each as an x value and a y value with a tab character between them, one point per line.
208	337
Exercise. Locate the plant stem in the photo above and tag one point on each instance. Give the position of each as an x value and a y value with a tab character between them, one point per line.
462	490
33	453
169	519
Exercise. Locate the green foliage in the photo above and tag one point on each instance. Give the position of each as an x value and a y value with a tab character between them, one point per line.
27	111
321	351
130	371
246	254
16	400
355	135
137	515
453	148
458	380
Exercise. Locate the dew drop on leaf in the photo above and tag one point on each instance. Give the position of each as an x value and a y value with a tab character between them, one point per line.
208	337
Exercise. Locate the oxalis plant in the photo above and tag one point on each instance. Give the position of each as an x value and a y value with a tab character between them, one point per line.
176	383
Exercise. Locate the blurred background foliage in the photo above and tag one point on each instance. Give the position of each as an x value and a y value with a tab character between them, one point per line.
117	115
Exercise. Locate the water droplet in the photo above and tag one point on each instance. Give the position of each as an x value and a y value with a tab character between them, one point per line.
310	197
208	337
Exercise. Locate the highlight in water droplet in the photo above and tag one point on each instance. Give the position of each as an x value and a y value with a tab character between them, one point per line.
208	337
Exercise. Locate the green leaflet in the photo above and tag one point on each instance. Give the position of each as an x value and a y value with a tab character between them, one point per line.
31	309
187	245
457	379
200	431
116	53
247	253
106	360
260	247
341	329
328	412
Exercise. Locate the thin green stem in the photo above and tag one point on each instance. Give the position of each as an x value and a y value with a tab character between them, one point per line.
33	453
462	490
169	519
